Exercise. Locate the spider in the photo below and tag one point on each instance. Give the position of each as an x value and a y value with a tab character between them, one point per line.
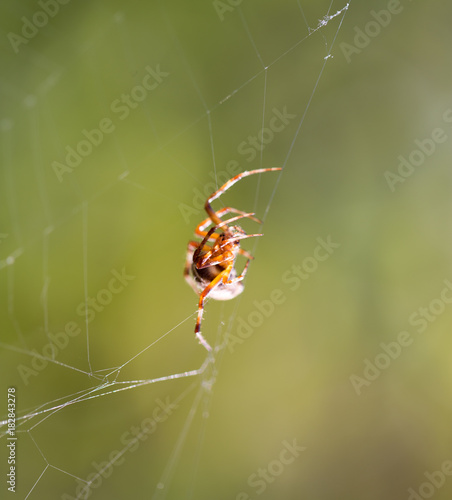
209	268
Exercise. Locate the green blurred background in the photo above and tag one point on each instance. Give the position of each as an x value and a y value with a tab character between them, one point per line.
125	207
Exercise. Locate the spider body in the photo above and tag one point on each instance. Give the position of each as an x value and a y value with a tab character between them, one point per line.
210	263
206	266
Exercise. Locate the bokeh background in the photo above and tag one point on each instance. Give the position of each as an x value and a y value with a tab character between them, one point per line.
132	205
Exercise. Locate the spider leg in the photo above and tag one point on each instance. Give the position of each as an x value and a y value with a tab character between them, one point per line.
242	237
202	245
211	255
210	211
245	254
233	219
208	259
200	228
239	278
221	277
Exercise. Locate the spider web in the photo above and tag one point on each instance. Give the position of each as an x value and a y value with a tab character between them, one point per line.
114	399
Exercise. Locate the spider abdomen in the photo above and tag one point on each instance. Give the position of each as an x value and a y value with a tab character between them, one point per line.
202	277
207	274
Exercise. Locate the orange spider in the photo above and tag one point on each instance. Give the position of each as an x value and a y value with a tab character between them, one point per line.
209	269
